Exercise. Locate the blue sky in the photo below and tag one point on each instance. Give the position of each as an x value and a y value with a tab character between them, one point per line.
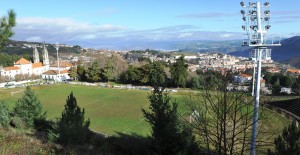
93	23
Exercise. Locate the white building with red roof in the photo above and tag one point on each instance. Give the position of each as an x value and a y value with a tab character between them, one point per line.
25	67
242	78
55	75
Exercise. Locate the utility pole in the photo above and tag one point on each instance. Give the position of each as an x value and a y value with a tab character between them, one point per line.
257	26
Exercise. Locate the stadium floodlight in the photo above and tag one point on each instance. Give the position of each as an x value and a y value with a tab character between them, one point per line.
266	4
258	22
267	19
244	27
253	27
268	27
58	68
267	12
242	4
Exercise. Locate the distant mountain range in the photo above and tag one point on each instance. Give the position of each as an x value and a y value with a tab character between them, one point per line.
24	47
288	52
202	46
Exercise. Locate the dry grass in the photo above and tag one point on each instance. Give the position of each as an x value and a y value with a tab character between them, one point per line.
23	142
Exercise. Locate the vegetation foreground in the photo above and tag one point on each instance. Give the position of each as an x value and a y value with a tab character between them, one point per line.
119	112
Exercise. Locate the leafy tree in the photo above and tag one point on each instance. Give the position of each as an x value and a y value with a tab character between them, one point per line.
268	77
4	115
132	75
72	127
152	74
286	81
288	142
28	107
169	136
93	73
157	75
73	72
296	86
179	72
275	79
108	70
81	72
276	88
196	82
6	25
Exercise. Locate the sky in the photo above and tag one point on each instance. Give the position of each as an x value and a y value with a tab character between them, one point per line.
99	23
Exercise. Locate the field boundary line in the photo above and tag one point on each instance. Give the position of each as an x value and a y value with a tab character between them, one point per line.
140	121
12	93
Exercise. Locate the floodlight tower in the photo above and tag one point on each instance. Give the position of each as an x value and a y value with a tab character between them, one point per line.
256	18
57	48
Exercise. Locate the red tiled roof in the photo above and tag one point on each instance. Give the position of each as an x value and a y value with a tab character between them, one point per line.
63	64
55	72
245	75
293	70
22	61
37	65
11	68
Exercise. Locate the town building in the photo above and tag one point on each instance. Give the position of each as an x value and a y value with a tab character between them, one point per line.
24	67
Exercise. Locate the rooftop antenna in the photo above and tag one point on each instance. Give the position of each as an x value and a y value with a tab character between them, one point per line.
256	18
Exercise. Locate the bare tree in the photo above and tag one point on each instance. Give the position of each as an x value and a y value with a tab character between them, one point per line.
223	121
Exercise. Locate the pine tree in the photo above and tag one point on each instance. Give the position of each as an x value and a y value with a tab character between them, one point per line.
4	114
72	127
288	142
28	107
6	25
169	135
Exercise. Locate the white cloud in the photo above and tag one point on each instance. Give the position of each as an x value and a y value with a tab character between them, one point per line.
185	35
36	38
64	25
69	31
226	35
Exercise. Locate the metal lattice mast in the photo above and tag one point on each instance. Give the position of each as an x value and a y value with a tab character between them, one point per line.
256	26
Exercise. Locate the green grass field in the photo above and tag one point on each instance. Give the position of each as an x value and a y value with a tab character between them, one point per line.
110	110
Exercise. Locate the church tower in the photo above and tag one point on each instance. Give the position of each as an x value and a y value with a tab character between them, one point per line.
36	57
46	62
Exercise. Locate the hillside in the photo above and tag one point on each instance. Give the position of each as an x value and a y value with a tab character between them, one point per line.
295	61
289	48
24	47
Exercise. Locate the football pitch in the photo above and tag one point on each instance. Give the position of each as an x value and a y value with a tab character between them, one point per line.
110	111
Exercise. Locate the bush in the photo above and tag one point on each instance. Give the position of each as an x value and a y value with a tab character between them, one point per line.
17	122
4	115
41	124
